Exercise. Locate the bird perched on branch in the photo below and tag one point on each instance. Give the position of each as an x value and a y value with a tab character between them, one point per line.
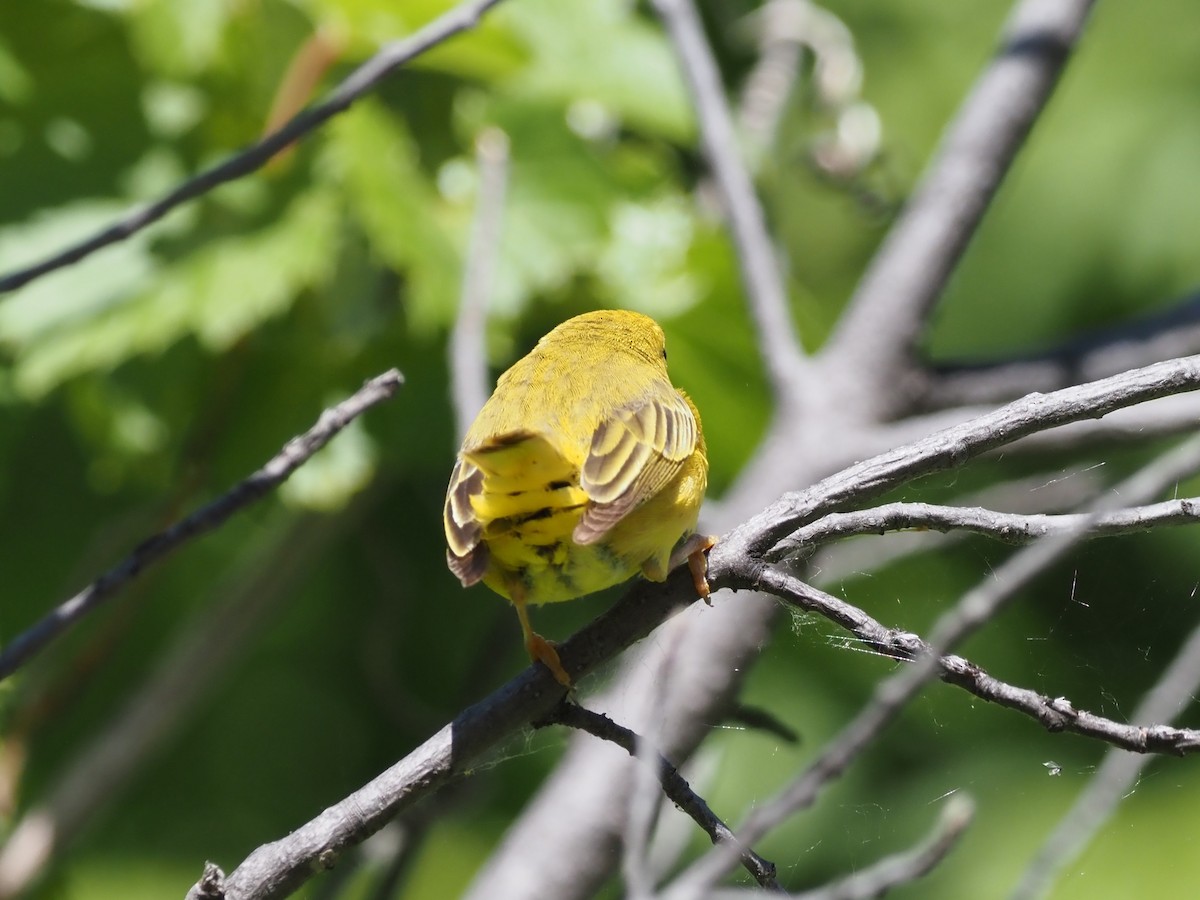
584	468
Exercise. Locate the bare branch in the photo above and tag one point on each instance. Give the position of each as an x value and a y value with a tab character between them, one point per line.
1115	777
294	454
758	719
1053	713
892	871
953	447
359	82
761	278
1065	489
888	312
891	696
468	350
726	639
275	869
673	784
1012	528
1164	417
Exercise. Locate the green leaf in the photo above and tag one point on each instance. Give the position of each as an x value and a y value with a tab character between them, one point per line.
556	214
376	160
180	37
218	294
77	292
487	51
601	51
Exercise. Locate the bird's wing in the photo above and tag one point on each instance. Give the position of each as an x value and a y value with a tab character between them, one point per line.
635	452
466	556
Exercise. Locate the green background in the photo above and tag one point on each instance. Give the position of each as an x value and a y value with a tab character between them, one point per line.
138	384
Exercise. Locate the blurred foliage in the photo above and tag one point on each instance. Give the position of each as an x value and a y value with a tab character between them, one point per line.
151	376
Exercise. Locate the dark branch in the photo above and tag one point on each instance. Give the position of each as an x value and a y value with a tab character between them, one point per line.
674	785
359	82
758	719
972	612
953	447
294	454
893	871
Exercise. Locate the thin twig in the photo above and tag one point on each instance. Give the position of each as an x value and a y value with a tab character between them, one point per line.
953	447
1052	713
1011	528
673	784
1164	417
761	277
888	312
1064	489
756	718
977	607
468	350
644	800
893	871
1115	777
294	454
359	82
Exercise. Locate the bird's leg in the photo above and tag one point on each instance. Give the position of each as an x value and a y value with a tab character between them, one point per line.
539	649
694	550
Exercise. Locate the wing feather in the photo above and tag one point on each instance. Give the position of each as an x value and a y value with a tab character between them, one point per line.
634	454
466	556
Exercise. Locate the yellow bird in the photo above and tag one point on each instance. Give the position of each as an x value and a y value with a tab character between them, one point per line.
584	468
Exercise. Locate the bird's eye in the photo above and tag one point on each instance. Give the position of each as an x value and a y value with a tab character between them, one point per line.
664	354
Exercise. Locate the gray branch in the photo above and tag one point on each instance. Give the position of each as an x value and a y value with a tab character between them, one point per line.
890	697
275	869
358	83
1104	352
294	454
1055	714
1012	528
954	446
